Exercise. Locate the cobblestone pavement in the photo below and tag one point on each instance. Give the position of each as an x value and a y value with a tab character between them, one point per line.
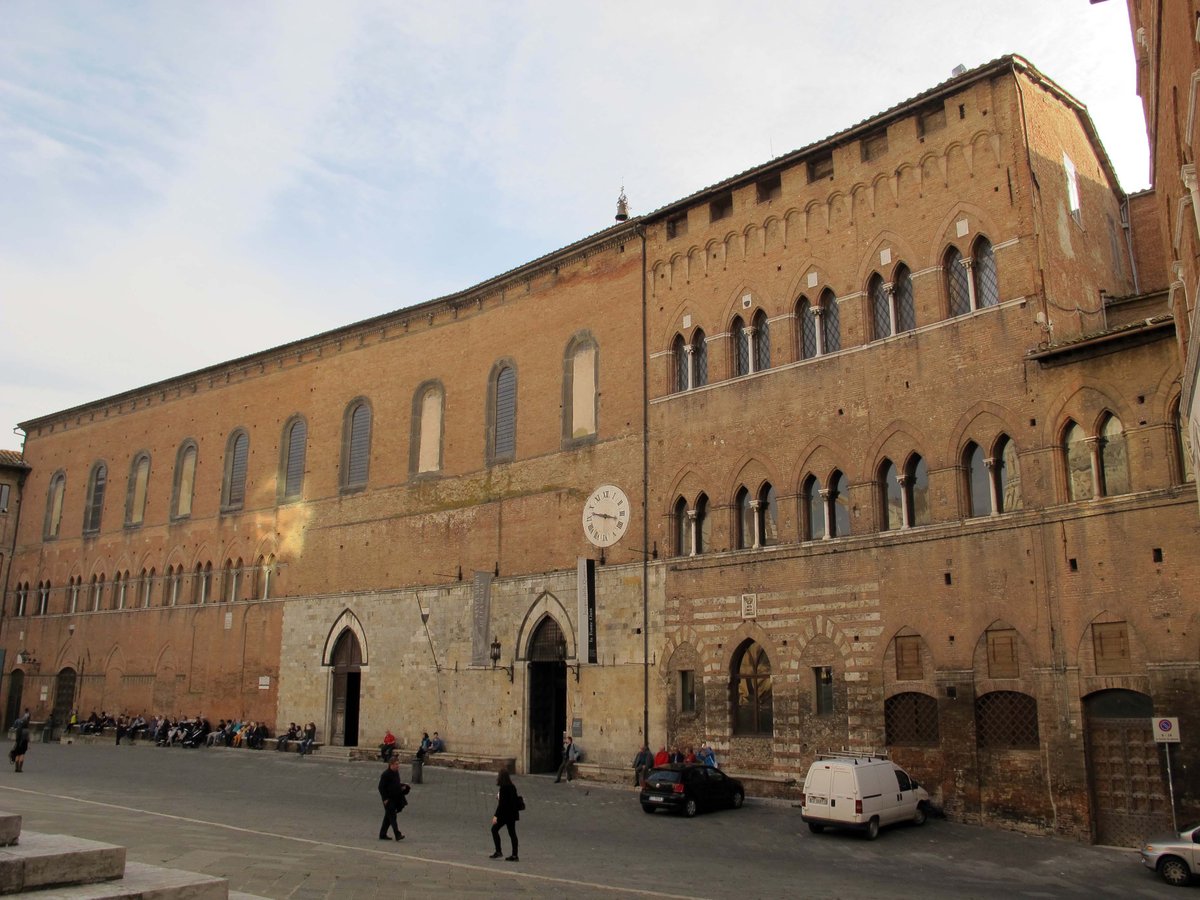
282	826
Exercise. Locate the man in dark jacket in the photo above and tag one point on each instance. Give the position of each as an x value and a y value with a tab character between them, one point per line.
392	791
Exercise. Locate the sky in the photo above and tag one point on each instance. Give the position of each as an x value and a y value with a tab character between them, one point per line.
185	183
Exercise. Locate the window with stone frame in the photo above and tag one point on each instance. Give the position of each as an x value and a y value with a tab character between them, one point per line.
139	483
185	480
356	445
745	519
983	273
1114	458
761	333
291	476
823	690
237	455
703	530
1006	720
891	498
752	691
814	509
958	291
831	328
908	658
54	506
1002	657
1078	458
93	511
1110	645
911	719
687	690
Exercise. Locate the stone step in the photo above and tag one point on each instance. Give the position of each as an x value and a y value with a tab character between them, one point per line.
45	860
150	883
10	828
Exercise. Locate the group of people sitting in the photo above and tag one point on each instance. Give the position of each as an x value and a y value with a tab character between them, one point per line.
644	761
428	745
304	738
194	732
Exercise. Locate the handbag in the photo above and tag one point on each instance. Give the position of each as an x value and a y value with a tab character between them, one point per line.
520	803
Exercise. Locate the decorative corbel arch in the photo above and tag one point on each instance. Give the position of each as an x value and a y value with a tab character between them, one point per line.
347	620
545	605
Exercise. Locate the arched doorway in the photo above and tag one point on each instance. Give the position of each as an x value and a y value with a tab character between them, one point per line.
16	686
64	696
547	696
346	660
1125	773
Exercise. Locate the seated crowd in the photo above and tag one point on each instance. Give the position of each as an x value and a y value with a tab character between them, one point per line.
193	732
428	745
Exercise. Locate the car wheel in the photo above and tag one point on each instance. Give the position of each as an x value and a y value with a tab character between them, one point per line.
689	808
1174	871
647	808
872	829
816	827
738	799
921	815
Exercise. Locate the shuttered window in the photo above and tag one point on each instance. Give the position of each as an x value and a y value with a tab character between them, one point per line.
506	414
54	505
358	445
185	479
908	658
1110	642
235	471
1002	654
139	478
293	467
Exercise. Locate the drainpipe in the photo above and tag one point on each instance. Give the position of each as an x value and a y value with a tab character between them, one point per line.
641	233
24	474
1127	226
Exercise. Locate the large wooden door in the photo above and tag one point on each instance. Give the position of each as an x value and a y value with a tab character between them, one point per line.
64	697
347	660
547	697
1125	771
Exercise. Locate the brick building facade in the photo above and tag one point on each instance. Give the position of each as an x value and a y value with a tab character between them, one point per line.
899	435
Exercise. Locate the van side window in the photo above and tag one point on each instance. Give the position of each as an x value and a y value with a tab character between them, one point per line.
903	780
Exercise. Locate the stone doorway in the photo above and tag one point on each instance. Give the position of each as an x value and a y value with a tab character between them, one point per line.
16	687
1125	773
347	663
547	696
64	697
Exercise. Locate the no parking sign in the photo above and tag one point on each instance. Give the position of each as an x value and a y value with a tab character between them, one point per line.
1166	730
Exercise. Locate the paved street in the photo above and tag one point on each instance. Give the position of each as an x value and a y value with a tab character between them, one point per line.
285	827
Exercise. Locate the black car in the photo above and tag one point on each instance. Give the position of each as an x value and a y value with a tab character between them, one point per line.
689	787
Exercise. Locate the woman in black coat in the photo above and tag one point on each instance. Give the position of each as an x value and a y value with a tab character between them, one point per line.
507	813
21	747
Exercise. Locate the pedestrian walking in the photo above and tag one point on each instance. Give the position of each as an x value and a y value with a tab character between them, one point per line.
393	792
570	753
508	810
20	746
643	762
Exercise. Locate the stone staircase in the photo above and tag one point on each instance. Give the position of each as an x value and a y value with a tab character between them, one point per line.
68	868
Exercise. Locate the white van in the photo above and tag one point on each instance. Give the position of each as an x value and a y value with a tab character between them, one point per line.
862	792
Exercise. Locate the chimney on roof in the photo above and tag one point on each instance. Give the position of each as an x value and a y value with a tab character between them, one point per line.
958	70
622	206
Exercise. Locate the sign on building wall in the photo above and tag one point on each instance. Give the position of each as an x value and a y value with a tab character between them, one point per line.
481	605
586	586
264	682
749	606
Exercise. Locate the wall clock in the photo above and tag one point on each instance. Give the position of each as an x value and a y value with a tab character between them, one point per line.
605	515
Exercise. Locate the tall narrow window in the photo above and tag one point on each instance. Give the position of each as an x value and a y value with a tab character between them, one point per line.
681	528
740	335
814	505
762	342
987	287
118	589
839	502
44	599
681	367
767	517
753	707
95	498
1114	461
147	587
1080	484
906	310
881	307
579	389
702	532
54	505
958	291
185	480
1072	178
699	359
823	690
237	452
73	594
97	592
687	690
135	500
356	445
831	328
891	498
503	432
979	488
745	520
295	447
916	491
1006	474
425	446
806	315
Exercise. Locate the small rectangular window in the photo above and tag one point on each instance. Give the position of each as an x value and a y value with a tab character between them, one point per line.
823	689
770	188
1002	653
677	226
4	498
1072	187
931	119
687	690
820	167
874	146
721	208
908	658
1110	641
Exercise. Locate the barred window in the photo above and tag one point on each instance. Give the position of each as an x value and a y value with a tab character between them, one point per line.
906	310
987	288
911	719
830	324
808	328
958	290
1006	720
762	342
881	307
741	338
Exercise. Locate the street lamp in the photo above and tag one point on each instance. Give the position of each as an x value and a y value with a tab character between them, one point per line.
562	654
494	653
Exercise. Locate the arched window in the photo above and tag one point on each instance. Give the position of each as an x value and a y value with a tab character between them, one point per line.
175	579
356	445
185	480
97	592
97	481
806	316
237	455
295	446
135	497
762	342
831	328
1006	720
839	505
1078	456
751	690
911	719
233	580
147	587
73	586
1114	461
701	531
740	335
21	601
916	491
580	384
766	517
891	499
54	505
120	585
43	599
979	487
958	284
902	296
987	287
814	506
881	307
1006	473
681	368
262	577
745	519
502	435
681	528
425	445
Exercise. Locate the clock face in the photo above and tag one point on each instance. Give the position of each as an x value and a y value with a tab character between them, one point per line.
606	515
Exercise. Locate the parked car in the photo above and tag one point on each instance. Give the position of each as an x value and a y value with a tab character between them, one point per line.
688	788
1174	856
860	792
